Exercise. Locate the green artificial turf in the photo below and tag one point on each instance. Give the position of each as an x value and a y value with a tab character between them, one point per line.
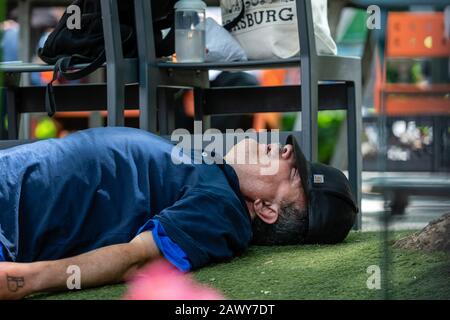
315	272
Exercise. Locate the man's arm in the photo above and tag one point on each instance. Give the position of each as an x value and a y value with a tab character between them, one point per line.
106	265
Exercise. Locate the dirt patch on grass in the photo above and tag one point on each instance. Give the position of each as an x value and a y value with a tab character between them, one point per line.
434	237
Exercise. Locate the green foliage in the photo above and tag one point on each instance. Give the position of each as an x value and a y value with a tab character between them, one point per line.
288	121
329	123
329	126
414	72
417	73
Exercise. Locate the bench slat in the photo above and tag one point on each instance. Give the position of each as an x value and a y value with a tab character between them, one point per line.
92	97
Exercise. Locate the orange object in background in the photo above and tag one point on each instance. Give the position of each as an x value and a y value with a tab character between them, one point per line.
272	120
407	99
188	103
47	76
413	35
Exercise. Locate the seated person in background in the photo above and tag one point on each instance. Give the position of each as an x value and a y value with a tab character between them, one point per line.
109	200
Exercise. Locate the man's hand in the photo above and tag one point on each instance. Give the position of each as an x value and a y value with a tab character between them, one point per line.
106	265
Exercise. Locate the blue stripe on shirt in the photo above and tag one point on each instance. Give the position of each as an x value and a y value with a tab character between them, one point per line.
171	251
2	256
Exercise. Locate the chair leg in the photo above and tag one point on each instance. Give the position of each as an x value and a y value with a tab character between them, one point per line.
309	79
310	109
115	63
175	95
199	111
166	110
3	116
148	100
148	72
162	112
354	123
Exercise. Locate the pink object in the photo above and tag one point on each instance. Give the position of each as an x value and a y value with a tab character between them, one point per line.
160	280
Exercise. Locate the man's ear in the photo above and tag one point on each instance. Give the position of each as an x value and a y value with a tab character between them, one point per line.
266	211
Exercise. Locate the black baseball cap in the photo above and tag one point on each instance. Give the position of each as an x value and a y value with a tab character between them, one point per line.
331	206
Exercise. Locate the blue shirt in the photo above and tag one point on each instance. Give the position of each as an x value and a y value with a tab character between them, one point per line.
64	197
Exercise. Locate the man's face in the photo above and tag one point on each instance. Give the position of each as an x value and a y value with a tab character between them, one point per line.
270	172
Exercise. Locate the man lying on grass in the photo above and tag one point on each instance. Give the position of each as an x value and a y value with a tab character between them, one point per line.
110	200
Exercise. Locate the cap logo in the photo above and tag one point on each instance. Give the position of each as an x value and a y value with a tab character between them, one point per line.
319	178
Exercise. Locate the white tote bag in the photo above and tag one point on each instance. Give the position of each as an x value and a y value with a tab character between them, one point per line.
267	29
